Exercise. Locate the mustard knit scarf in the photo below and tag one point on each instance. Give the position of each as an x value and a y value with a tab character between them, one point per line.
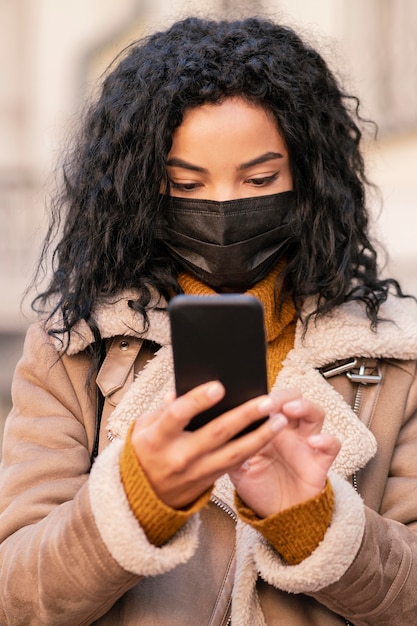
279	329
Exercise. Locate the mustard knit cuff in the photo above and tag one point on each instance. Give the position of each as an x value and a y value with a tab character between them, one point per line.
159	521
295	532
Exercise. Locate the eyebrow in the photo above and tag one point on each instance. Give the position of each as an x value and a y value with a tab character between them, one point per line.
263	158
176	162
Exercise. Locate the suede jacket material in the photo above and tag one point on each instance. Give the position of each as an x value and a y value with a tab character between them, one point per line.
72	552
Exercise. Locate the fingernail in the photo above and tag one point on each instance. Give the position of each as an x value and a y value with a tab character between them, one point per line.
315	440
278	422
214	391
293	405
266	405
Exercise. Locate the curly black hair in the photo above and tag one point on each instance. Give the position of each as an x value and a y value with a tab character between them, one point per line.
111	181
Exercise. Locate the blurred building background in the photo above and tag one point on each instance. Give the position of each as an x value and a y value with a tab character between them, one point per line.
53	51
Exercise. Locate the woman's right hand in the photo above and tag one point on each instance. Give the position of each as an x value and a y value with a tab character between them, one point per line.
181	465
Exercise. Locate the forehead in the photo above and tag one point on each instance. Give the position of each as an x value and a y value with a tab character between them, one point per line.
233	122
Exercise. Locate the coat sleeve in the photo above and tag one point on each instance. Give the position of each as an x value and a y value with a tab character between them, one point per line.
61	561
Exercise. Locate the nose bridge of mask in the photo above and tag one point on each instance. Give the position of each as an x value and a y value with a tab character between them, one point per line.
259	245
228	222
218	227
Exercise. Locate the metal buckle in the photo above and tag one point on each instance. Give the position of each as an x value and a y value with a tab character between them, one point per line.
340	368
363	378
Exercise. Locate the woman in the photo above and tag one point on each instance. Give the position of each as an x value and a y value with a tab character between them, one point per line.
206	139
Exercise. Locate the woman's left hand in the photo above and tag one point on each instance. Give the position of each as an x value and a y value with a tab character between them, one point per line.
293	467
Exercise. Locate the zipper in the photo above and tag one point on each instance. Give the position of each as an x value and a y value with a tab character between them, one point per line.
355	408
364	375
362	379
224	507
229	511
358	397
367	374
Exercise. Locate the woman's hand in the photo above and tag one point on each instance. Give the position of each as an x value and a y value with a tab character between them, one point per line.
181	465
293	467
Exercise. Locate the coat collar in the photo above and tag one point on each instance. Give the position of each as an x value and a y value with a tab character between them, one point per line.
115	317
343	334
346	332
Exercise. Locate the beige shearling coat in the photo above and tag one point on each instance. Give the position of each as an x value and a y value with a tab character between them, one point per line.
72	553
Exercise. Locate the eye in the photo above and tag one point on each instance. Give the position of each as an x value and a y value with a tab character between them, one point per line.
262	181
184	186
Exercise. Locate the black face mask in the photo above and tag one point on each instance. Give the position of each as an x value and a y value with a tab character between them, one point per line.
229	244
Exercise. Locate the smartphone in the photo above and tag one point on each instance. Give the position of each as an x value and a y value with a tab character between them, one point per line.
219	337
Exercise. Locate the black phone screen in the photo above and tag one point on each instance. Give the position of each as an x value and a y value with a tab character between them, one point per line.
219	337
